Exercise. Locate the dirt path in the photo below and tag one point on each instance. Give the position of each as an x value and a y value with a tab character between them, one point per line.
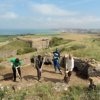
4	43
29	74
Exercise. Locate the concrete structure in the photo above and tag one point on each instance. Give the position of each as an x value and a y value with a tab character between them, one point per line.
38	43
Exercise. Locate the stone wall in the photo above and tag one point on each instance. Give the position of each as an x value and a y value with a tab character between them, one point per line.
83	67
87	67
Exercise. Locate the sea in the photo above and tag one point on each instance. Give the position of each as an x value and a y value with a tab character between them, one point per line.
26	31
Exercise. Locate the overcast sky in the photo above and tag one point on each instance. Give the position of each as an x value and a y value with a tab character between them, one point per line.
42	14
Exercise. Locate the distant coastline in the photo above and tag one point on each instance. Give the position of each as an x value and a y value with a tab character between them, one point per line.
46	31
26	31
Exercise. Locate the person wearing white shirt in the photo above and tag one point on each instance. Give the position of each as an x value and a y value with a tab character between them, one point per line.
69	65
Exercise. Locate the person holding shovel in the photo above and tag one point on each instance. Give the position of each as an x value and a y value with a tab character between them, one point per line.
38	65
69	66
16	63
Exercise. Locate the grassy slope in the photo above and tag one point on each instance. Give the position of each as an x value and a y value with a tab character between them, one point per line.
15	45
45	91
6	38
87	46
82	46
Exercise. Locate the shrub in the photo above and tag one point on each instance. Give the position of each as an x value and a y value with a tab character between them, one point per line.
96	41
73	47
55	41
81	93
79	46
25	50
2	93
1	59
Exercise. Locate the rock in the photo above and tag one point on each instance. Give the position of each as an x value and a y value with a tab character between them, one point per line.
48	61
58	87
87	67
94	70
2	88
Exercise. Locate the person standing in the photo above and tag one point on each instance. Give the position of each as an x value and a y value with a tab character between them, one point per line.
38	65
69	65
56	57
16	63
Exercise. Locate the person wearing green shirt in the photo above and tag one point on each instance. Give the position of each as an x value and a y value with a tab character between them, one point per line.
16	67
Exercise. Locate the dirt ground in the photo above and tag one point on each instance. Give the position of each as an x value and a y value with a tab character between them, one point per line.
30	76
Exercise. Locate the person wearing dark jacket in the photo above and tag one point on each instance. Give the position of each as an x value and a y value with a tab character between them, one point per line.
56	57
16	67
38	65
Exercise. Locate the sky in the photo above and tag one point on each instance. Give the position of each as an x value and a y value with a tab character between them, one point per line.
49	14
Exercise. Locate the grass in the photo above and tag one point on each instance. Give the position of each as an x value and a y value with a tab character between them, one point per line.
56	41
81	93
14	45
45	91
4	38
1	59
77	44
88	48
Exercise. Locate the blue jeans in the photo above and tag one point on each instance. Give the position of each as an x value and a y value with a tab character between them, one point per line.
56	65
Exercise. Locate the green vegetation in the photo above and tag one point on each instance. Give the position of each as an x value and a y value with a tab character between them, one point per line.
15	45
55	41
45	91
88	48
1	59
2	93
4	38
73	47
26	50
96	41
81	93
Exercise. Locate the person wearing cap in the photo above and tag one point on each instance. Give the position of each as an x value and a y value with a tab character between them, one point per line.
69	65
16	63
56	57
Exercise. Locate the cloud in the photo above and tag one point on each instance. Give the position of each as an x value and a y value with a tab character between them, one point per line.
79	2
9	15
50	9
86	22
4	5
49	22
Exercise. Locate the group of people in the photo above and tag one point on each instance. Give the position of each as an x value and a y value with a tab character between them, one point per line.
38	63
68	64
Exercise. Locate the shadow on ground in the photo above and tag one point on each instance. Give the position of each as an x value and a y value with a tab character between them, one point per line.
52	80
7	76
48	71
29	77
